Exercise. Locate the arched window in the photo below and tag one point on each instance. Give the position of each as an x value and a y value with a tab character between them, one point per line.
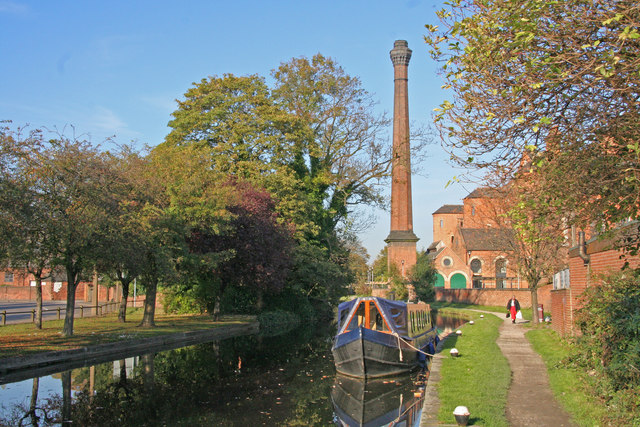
476	266
441	223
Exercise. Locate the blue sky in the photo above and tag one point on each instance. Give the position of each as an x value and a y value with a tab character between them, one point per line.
115	68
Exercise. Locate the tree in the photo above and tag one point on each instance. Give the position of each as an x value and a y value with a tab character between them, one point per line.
26	236
537	244
358	258
546	82
126	242
380	266
423	277
342	153
57	203
79	199
312	141
260	247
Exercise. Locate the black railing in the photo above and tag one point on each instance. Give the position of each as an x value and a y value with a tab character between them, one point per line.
481	282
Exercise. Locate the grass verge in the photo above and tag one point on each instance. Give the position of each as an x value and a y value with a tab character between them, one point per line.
570	386
479	378
24	339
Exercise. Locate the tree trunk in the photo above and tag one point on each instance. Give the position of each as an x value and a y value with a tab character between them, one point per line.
260	301
216	309
150	302
534	304
122	311
72	277
38	301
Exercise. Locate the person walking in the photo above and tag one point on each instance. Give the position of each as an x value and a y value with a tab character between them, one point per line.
513	307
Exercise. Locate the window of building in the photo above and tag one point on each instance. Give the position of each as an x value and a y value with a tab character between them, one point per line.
441	223
473	210
8	277
476	266
447	262
562	280
501	273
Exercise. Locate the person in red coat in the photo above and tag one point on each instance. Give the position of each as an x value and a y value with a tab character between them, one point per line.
513	306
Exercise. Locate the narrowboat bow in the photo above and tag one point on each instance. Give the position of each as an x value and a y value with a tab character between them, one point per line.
379	337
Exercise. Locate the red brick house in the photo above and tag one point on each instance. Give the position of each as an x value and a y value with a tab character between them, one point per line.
470	249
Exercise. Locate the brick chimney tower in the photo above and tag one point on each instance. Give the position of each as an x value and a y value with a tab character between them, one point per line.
401	242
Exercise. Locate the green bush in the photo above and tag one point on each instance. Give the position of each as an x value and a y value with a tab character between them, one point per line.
610	342
238	300
294	302
182	300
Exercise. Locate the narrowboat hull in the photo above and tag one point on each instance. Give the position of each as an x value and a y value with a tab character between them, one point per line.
364	353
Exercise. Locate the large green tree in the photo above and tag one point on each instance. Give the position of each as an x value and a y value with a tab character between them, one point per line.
312	140
554	84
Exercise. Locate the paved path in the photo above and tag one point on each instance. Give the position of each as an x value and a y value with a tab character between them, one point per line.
530	401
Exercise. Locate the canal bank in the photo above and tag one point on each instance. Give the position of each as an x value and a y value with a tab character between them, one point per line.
20	367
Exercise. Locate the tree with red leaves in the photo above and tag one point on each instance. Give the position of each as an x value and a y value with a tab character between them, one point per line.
258	246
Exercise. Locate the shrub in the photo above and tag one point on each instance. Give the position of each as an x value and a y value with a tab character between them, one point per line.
182	300
610	341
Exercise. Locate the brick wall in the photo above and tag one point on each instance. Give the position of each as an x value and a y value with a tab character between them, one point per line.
450	222
604	259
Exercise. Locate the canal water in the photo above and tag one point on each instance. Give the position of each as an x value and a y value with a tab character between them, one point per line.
288	380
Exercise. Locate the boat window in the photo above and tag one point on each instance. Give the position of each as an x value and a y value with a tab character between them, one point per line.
376	322
357	319
399	318
413	322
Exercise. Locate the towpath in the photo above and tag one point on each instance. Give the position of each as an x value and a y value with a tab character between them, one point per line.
530	401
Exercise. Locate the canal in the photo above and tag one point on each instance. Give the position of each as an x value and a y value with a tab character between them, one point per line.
287	380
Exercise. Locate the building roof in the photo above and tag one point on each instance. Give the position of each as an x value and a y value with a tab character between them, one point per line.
450	209
486	239
484	192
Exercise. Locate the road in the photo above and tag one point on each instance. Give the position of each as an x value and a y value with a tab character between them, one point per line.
20	311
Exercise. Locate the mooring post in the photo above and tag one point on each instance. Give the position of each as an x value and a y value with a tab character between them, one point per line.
4	317
33	315
58	313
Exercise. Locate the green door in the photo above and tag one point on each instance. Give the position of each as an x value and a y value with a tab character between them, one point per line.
439	281
458	281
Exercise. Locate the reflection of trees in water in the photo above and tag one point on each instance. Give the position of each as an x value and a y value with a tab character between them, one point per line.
203	384
47	413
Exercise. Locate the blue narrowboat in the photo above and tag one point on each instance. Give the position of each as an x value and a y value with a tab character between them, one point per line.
379	337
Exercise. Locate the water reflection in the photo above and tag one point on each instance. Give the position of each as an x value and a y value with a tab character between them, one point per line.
391	402
250	380
285	380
